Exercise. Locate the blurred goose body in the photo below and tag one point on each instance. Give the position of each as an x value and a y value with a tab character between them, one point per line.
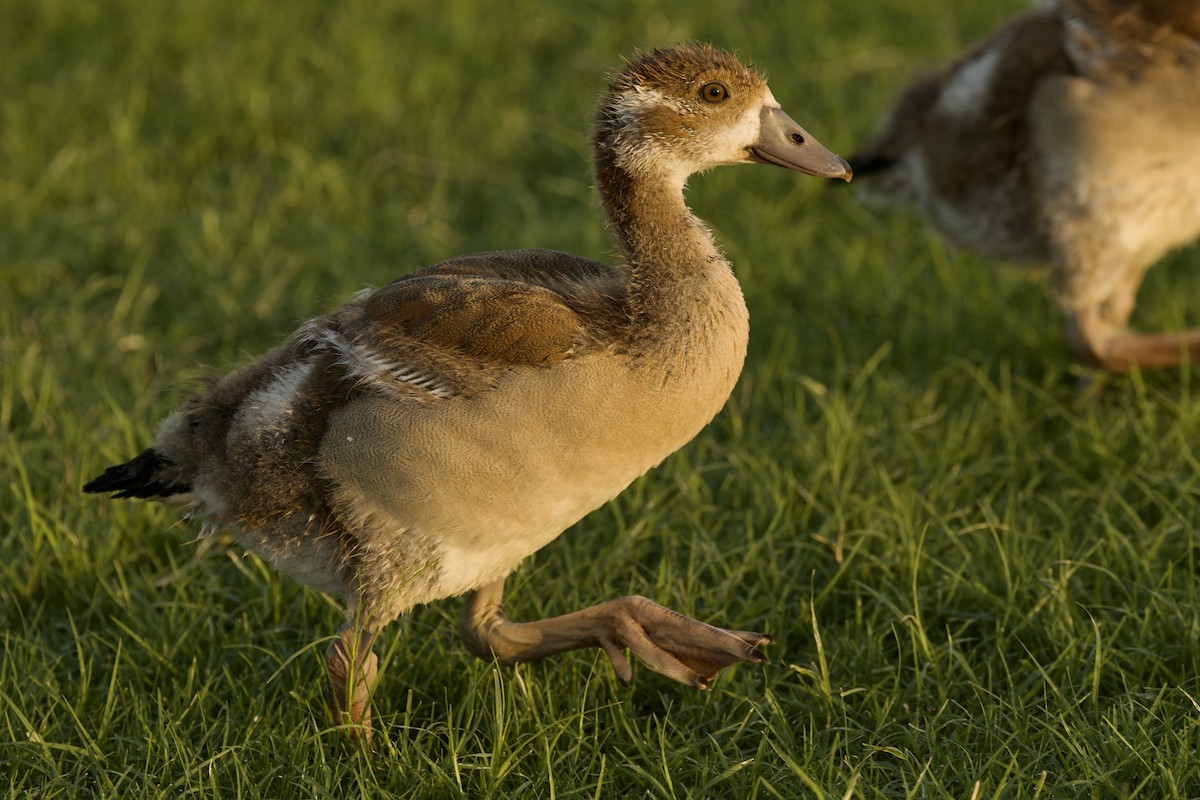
1067	137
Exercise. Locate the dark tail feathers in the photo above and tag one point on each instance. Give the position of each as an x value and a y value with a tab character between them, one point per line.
146	475
866	164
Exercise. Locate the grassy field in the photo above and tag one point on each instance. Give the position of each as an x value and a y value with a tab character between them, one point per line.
983	582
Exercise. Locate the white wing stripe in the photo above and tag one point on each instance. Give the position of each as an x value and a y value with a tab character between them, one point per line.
369	367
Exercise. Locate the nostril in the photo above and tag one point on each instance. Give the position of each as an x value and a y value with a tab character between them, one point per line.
797	138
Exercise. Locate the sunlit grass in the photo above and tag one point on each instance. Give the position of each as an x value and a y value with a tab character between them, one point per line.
982	581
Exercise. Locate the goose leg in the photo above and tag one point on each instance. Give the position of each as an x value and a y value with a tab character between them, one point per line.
1097	340
353	669
1097	331
683	649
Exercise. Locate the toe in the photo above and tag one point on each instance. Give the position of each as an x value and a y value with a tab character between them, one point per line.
684	649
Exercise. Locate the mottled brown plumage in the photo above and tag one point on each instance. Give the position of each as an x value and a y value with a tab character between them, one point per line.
424	438
1066	137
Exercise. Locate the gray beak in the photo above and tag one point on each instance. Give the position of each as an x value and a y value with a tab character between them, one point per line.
783	142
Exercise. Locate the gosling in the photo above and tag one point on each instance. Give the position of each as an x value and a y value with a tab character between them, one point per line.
422	440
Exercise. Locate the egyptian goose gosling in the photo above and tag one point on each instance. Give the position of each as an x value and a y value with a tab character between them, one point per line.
1069	136
421	440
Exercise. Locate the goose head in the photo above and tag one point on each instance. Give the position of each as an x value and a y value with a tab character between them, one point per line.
677	111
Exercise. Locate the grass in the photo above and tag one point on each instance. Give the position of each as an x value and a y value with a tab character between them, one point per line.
983	583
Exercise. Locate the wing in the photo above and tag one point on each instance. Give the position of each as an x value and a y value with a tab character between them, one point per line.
971	113
1111	37
452	329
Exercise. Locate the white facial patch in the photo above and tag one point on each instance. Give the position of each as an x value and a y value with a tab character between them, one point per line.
962	95
709	139
729	145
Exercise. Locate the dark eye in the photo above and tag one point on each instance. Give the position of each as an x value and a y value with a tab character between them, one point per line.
714	92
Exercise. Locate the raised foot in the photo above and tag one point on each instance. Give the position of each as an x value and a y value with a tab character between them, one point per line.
1118	349
683	649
